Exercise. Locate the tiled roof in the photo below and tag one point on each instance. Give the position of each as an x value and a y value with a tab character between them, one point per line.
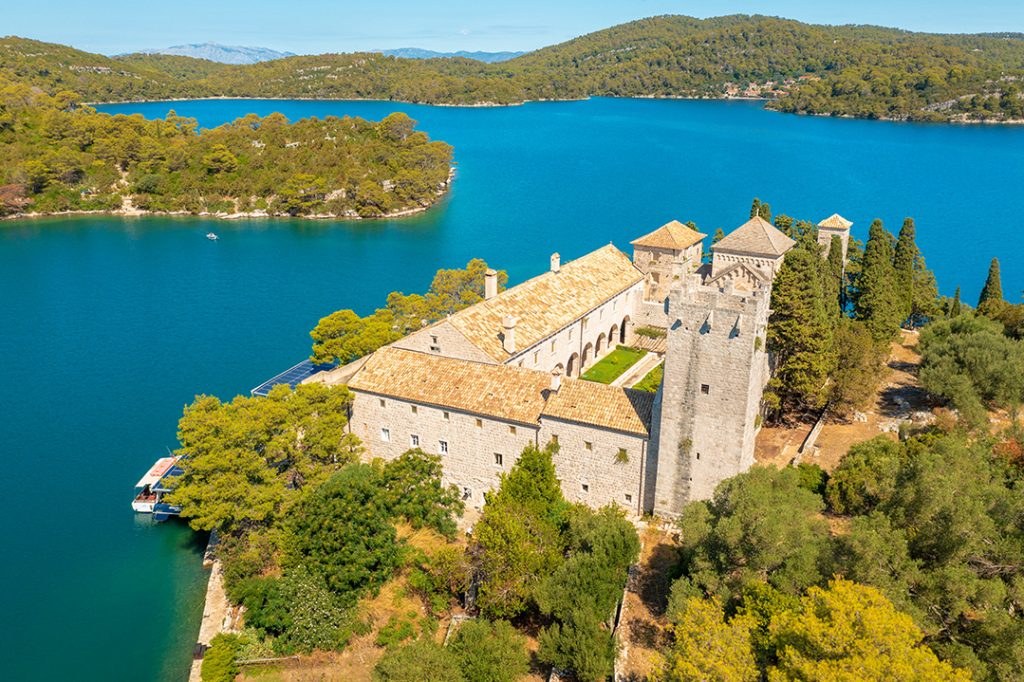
756	237
674	236
503	391
548	302
836	222
586	402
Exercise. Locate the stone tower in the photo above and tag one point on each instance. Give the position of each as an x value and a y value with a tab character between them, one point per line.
834	226
706	411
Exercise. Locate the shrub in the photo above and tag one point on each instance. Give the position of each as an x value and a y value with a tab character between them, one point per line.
219	664
865	477
812	477
490	651
421	660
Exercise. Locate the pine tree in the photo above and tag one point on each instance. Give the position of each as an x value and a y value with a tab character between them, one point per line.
718	236
877	300
755	208
903	261
954	308
765	211
834	304
800	331
992	292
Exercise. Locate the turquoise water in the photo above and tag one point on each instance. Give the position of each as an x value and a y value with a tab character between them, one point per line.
109	326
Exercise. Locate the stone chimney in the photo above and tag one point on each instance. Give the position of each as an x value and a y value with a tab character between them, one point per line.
508	324
490	284
556	262
556	380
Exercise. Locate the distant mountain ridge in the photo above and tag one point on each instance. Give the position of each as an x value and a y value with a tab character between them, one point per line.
223	54
480	56
857	71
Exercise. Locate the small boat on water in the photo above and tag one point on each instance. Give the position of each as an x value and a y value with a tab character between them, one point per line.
151	488
212	236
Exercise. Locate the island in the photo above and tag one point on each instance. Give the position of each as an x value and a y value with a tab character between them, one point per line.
57	156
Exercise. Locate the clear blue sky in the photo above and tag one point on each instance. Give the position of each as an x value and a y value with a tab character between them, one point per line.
314	26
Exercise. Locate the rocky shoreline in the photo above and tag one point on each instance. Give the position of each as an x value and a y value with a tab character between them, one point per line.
128	210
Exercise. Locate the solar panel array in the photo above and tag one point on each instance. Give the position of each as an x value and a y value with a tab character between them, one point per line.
292	376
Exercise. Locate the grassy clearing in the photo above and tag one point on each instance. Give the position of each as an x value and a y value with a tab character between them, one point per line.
651	382
613	365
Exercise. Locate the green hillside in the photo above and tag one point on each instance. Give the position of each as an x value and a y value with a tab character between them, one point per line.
840	70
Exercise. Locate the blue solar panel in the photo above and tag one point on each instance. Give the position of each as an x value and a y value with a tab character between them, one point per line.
292	376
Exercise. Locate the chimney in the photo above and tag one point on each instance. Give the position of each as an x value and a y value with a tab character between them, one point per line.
508	323
556	262
556	380
490	284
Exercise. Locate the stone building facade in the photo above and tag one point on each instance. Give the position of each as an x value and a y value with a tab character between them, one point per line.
479	386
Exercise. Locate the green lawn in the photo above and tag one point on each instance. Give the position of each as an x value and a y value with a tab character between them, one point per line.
651	382
613	365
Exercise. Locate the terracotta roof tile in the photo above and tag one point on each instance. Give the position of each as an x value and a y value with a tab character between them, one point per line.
836	222
586	402
756	237
673	236
506	392
502	391
548	302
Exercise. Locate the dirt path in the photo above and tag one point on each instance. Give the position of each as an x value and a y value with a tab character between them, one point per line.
643	625
899	398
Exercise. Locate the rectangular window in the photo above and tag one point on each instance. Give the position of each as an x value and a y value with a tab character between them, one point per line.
382	404
554	346
615	304
385	435
570	335
705	389
442	447
584	324
414	441
479	423
536	357
415	409
629	498
600	314
498	458
588	445
512	430
435	349
586	488
446	416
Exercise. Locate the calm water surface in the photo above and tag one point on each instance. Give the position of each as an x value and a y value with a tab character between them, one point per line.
109	326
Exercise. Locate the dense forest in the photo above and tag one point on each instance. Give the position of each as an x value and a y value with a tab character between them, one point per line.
835	70
55	156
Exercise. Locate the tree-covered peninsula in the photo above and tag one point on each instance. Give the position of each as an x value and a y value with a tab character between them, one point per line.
56	156
859	71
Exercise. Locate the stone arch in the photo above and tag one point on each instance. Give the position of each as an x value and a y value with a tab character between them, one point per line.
600	345
622	330
588	356
613	335
572	368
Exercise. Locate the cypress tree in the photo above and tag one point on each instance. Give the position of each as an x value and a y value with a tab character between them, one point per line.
755	208
992	292
800	331
834	274
954	308
717	237
878	302
765	211
903	261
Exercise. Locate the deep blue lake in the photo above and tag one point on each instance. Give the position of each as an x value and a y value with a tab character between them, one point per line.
109	326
